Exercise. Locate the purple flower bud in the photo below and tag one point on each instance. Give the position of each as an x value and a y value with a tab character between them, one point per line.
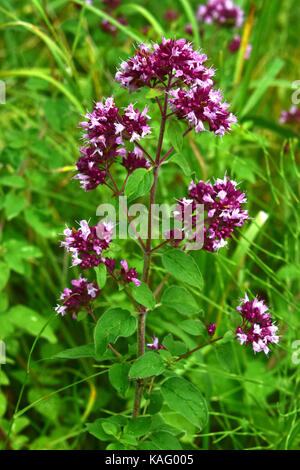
155	345
211	328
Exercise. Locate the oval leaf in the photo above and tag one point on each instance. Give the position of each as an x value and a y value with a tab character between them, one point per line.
185	398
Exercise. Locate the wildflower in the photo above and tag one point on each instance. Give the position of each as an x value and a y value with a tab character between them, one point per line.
223	12
200	105
155	345
84	244
211	328
176	67
291	116
172	61
235	44
256	328
133	160
222	203
129	275
106	129
80	296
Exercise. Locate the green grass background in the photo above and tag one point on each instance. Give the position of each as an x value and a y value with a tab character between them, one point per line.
55	61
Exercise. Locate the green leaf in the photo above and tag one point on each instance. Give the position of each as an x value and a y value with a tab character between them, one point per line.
3	404
33	219
118	377
165	441
4	274
273	68
181	300
176	348
290	272
139	426
185	398
181	161
144	296
147	365
156	402
97	429
153	92
174	133
110	428
87	350
14	181
101	274
14	204
193	327
113	324
138	183
183	267
30	321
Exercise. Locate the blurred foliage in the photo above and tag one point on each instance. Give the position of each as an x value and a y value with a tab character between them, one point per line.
56	61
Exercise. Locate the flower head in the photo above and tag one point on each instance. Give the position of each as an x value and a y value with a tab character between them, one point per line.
85	245
201	105
105	131
223	12
80	296
222	204
256	328
171	61
129	275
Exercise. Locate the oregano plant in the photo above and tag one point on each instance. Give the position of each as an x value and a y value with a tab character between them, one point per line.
124	153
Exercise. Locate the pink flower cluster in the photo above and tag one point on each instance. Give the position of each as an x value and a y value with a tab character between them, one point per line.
80	296
257	328
106	129
222	203
176	68
291	116
164	65
223	12
87	244
200	105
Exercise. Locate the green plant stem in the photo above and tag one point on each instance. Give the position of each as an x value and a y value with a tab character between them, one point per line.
147	254
197	348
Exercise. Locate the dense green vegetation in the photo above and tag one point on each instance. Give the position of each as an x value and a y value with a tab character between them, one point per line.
56	62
